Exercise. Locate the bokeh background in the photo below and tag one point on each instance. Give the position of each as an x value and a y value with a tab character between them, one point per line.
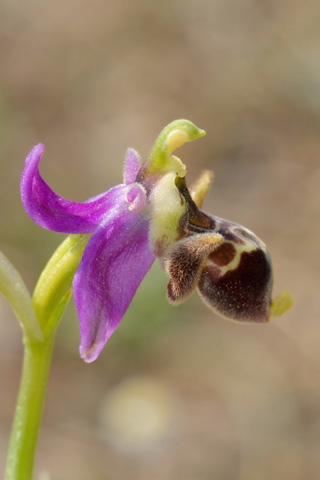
178	393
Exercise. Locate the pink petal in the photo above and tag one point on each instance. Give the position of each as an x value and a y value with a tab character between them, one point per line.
53	212
132	166
114	263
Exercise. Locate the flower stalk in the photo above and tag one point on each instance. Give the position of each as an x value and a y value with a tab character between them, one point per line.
39	319
27	420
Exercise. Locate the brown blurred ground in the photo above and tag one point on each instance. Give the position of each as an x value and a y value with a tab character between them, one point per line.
89	79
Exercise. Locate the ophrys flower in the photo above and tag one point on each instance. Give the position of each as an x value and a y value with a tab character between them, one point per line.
153	214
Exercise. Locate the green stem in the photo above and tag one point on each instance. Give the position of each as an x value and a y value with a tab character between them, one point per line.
25	430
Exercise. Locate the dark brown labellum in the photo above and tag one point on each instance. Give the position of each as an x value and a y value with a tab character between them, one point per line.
243	293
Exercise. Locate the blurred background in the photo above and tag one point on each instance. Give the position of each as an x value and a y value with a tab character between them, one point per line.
178	393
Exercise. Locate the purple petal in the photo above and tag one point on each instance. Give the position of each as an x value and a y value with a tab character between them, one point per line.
53	212
132	166
114	263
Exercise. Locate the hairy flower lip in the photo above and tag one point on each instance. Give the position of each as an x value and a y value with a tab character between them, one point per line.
233	276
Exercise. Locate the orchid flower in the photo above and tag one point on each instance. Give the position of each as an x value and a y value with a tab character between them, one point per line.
153	214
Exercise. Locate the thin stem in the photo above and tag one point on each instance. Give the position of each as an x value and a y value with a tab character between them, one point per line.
50	299
27	420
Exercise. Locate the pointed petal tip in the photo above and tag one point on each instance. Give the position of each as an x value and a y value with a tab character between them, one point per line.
200	188
90	354
40	147
132	151
37	151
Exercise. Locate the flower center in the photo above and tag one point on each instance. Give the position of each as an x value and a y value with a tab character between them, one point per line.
136	196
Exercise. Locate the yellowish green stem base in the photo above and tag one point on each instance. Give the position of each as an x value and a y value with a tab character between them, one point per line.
27	420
